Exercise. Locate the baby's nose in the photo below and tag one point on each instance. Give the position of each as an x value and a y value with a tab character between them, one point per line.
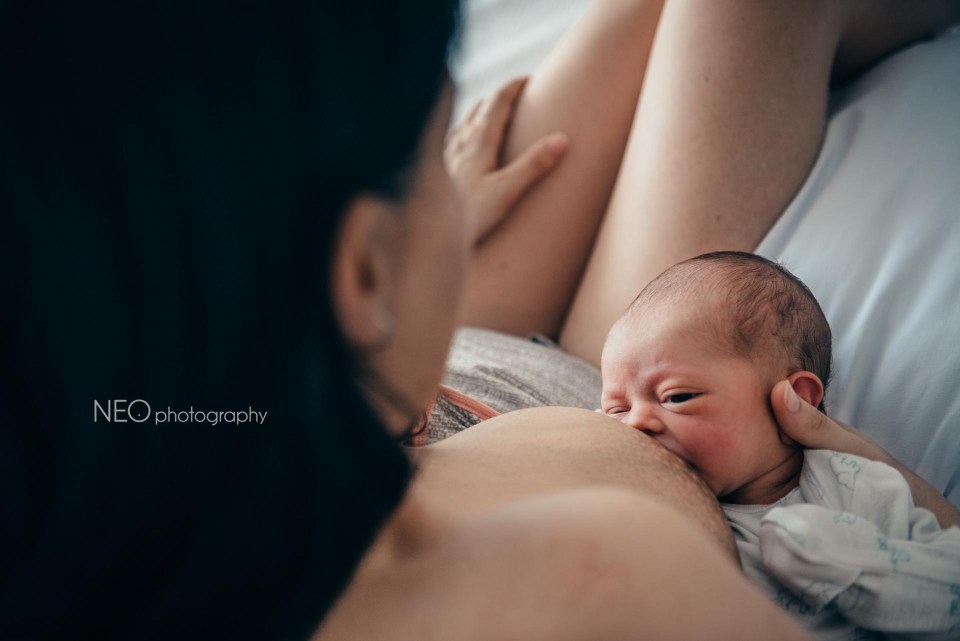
646	421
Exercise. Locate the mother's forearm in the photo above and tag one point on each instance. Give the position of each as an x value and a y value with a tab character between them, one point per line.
924	494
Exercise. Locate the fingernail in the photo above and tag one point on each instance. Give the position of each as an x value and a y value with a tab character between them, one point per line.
791	400
557	143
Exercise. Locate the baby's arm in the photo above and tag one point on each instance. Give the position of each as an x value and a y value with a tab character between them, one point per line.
813	429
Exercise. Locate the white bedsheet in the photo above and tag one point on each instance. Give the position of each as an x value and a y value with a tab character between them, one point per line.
875	231
875	234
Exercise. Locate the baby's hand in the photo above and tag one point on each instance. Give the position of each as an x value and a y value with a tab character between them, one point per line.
488	189
800	422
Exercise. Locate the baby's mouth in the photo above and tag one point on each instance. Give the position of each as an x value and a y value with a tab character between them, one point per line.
673	450
670	447
683	458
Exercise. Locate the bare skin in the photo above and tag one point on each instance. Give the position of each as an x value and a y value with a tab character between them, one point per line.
598	562
720	141
515	554
803	423
587	88
491	465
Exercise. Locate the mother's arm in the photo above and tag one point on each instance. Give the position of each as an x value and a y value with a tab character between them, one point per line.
806	425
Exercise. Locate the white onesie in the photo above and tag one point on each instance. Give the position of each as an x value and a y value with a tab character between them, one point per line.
849	555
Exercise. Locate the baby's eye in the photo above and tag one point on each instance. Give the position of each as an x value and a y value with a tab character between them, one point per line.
681	398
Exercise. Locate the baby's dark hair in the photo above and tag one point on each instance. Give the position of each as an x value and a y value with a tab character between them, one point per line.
768	307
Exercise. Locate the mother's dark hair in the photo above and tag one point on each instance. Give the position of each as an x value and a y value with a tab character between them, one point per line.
172	177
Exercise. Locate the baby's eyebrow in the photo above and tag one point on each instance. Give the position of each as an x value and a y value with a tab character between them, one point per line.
654	375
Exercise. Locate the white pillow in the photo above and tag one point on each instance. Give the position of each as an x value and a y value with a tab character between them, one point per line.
875	234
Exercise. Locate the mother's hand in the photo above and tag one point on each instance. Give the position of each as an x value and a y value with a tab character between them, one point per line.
488	188
803	423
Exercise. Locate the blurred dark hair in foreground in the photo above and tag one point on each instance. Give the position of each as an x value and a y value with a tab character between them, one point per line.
172	179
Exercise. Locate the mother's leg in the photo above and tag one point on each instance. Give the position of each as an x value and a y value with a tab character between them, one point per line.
524	274
727	128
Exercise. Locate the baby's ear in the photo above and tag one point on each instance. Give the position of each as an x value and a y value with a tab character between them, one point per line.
807	385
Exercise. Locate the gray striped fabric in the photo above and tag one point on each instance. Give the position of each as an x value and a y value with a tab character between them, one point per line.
510	373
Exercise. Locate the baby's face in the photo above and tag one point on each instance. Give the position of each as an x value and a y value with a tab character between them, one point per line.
665	374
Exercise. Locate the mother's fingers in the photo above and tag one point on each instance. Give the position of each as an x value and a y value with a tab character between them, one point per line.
506	186
474	110
803	423
494	116
534	163
472	148
460	132
472	155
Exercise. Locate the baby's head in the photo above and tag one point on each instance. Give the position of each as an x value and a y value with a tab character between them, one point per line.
693	360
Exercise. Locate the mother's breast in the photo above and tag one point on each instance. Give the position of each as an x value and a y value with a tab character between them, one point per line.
550	449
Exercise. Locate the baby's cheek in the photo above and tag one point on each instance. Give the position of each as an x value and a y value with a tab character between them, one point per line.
716	453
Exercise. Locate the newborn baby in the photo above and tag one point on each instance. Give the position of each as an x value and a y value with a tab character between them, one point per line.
693	360
833	538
